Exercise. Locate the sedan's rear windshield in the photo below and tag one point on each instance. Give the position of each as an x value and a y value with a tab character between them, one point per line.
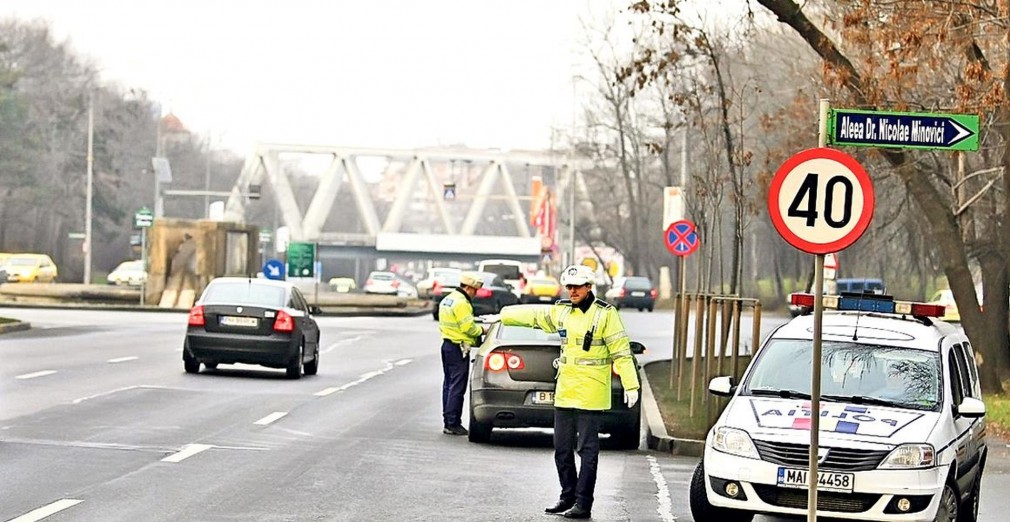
638	283
505	271
241	292
525	333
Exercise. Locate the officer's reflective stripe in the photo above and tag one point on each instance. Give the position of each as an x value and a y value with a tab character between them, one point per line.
597	342
615	337
586	362
622	353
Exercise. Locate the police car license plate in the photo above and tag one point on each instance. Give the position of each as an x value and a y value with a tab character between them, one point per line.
827	481
230	320
543	397
637	294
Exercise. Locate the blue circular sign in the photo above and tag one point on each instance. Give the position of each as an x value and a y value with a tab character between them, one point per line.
273	269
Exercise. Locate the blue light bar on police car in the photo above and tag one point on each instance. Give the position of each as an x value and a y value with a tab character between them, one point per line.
873	303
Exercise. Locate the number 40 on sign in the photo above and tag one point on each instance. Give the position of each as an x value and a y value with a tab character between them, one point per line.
821	200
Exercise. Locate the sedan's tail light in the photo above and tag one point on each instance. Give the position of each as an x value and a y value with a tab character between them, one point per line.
483	292
498	361
653	293
196	316
368	282
396	284
284	322
623	293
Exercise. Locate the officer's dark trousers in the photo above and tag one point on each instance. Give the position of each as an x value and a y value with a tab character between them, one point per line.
577	430
455	369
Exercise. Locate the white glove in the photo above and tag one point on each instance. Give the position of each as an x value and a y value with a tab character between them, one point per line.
491	318
631	398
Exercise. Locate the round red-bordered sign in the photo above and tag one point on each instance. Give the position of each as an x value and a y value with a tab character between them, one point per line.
821	200
681	238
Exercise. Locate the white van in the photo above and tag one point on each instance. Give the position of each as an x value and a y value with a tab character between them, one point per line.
511	271
902	423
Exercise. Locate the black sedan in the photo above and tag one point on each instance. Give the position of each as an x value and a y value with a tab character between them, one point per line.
512	386
489	299
252	321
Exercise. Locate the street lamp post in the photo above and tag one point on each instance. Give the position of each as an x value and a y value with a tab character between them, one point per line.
90	185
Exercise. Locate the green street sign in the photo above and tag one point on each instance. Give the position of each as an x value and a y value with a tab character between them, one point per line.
903	130
143	218
301	259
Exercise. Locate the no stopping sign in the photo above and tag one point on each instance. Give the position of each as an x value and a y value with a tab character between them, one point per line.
821	200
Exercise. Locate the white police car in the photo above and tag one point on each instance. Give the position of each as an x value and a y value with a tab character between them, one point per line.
902	423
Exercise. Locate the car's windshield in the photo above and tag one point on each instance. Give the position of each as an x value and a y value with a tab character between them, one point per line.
505	271
637	283
241	292
129	265
22	261
850	372
525	333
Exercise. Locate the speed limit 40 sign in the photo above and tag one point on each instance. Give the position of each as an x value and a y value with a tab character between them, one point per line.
821	200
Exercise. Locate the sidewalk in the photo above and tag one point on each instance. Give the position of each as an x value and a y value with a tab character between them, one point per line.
656	437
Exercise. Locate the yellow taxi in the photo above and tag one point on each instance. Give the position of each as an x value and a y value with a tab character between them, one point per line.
541	289
30	268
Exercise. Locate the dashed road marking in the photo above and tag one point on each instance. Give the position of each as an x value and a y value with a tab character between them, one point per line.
665	508
123	359
271	418
340	342
47	510
187	451
364	377
43	373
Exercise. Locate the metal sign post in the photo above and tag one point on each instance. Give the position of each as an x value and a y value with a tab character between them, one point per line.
143	219
681	240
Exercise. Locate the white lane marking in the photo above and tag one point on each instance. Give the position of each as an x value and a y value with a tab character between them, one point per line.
187	451
364	377
45	511
271	418
340	342
123	359
665	508
110	392
43	373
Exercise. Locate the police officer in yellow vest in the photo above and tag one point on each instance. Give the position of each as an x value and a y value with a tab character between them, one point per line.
592	338
459	333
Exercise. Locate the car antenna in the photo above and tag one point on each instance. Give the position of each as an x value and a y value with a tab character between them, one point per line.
859	311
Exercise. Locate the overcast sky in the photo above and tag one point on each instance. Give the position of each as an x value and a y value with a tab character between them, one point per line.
398	74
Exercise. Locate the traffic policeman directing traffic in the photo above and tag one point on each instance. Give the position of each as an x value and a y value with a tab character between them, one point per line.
459	333
592	338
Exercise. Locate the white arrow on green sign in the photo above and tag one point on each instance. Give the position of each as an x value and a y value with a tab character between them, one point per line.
903	130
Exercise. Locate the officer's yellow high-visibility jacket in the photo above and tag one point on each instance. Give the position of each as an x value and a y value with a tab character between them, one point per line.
455	319
583	376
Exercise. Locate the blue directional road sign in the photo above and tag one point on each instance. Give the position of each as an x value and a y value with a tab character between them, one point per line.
273	269
681	239
904	130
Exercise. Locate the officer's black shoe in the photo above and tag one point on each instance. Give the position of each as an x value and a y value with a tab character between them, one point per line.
455	430
560	507
577	512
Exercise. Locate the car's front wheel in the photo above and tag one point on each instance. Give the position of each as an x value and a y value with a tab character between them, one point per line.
947	512
702	510
294	369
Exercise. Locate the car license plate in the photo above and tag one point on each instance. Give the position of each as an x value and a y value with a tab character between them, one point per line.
637	294
546	298
543	397
230	320
827	481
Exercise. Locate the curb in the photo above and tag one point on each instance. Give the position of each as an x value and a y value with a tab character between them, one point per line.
16	326
656	437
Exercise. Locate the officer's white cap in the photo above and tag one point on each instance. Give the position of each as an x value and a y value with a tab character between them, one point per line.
577	275
471	279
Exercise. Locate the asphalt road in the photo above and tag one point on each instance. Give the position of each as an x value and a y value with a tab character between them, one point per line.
98	422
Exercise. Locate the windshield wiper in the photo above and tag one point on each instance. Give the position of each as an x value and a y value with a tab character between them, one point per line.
862	399
785	394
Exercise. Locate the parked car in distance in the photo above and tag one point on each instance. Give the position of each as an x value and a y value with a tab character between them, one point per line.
830	288
632	292
511	272
945	298
861	285
128	273
489	299
389	283
30	268
342	284
252	321
512	386
541	289
434	275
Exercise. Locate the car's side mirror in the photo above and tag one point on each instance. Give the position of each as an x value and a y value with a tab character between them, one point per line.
722	386
971	408
315	310
637	348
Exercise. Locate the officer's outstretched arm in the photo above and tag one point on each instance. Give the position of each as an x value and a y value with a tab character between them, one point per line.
532	316
619	346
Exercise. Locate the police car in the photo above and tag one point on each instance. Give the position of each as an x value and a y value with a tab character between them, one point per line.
902	423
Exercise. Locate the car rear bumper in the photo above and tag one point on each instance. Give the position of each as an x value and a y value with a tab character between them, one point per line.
636	302
515	409
274	350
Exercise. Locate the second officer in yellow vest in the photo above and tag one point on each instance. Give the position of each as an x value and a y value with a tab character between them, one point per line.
592	338
459	333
